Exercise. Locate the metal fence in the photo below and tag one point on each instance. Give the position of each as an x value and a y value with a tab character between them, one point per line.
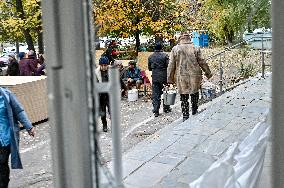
236	63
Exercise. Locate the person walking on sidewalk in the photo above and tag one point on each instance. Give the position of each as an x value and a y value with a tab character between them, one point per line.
11	113
158	63
187	63
102	76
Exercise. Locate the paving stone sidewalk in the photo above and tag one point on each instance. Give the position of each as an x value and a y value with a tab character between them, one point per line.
182	151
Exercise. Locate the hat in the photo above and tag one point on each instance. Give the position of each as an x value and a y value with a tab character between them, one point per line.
185	35
22	55
158	46
103	61
31	53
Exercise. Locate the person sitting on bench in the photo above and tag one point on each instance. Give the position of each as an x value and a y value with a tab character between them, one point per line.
133	76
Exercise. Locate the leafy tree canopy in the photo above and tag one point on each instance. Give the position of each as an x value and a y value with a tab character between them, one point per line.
15	18
228	19
150	17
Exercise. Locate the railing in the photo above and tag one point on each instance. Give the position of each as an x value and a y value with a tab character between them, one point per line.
263	65
221	56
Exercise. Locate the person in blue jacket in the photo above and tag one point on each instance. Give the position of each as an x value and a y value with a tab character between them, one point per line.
11	113
133	76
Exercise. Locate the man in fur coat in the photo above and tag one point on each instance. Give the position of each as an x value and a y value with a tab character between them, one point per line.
185	68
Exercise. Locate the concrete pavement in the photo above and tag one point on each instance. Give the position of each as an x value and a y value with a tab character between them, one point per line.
179	153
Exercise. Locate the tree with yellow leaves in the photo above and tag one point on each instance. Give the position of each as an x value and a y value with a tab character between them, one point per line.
21	21
125	18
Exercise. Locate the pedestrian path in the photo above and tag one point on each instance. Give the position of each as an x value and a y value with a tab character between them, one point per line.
179	153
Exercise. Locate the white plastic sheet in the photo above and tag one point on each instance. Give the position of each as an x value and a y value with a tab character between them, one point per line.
242	164
250	161
223	167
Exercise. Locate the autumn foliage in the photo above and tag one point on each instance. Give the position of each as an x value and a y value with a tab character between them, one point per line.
124	18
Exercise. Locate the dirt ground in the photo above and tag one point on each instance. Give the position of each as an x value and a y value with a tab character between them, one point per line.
137	123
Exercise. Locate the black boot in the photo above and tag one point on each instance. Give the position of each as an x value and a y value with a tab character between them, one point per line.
167	108
184	119
194	102
105	128
184	106
156	107
104	122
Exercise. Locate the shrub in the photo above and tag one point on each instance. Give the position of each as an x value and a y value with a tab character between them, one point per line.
247	70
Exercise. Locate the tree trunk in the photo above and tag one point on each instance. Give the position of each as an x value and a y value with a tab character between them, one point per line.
230	39
28	37
250	24
137	45
229	34
40	41
40	34
96	37
17	47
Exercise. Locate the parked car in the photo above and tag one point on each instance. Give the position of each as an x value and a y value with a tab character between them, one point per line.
4	61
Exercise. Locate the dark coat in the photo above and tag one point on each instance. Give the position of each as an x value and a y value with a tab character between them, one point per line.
13	69
123	74
158	63
28	67
109	53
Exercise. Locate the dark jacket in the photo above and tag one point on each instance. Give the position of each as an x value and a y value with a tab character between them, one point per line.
110	55
158	63
13	69
28	67
40	70
16	114
123	74
102	77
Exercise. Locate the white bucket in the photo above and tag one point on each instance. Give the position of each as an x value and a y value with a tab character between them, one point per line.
132	95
